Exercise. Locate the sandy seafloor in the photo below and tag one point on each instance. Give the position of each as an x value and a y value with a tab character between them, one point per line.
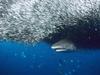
22	59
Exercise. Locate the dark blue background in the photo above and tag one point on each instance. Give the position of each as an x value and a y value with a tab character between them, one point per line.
24	59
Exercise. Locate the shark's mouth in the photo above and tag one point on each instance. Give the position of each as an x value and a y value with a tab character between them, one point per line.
61	49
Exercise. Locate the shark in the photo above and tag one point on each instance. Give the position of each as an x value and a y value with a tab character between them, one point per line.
63	45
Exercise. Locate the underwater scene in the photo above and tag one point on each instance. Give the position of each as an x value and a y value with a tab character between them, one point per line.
49	37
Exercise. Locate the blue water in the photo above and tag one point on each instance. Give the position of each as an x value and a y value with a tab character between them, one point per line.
23	59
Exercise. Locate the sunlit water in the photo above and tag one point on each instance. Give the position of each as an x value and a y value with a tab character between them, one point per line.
23	59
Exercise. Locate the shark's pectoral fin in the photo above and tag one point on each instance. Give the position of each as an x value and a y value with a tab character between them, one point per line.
63	45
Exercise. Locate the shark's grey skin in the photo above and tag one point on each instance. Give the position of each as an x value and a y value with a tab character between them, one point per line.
77	21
